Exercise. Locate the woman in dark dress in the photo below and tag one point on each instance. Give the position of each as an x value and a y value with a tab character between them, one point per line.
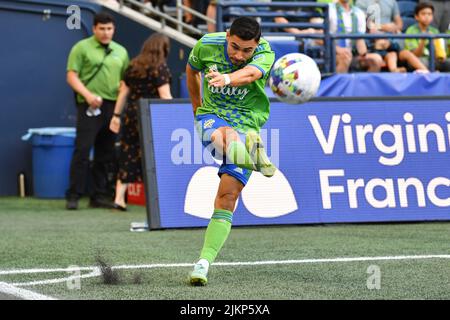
147	76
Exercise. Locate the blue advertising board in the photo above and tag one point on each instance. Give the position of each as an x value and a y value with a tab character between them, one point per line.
339	161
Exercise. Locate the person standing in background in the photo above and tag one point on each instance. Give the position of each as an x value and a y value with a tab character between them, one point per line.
148	76
95	68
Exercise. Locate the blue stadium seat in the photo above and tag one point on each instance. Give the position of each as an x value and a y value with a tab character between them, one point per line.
407	8
284	46
407	21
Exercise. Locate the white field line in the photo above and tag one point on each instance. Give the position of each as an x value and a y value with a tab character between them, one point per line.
96	272
22	293
40	270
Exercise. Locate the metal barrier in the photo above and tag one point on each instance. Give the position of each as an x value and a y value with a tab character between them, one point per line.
395	36
178	21
181	8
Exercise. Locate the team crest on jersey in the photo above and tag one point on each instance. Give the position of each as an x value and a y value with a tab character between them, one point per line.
208	123
194	58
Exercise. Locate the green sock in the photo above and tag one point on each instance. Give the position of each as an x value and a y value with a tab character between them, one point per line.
216	234
238	154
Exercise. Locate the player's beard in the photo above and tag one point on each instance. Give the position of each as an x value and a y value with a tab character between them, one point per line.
237	63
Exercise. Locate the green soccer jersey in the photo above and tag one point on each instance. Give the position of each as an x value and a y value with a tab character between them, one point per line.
245	107
412	44
85	58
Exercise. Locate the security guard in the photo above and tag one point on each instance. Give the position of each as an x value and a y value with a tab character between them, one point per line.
95	67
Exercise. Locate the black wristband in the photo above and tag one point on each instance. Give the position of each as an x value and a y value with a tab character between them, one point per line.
116	115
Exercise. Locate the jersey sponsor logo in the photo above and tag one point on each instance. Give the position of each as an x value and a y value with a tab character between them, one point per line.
230	91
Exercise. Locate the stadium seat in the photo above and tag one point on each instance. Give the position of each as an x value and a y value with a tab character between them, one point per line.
407	21
407	8
284	46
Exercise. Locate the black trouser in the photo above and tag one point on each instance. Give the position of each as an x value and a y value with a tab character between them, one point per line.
93	132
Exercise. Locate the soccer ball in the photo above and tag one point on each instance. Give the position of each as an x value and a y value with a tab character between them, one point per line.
295	78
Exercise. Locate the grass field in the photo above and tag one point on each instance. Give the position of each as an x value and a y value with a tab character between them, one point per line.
155	265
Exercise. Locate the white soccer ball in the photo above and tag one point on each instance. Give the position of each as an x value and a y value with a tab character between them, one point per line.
295	78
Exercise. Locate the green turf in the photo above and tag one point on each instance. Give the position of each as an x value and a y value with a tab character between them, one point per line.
41	234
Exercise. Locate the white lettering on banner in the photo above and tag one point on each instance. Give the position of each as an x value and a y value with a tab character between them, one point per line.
392	154
134	189
325	187
390	187
431	191
403	185
387	185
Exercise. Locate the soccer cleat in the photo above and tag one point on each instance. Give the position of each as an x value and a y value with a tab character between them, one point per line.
198	275
255	148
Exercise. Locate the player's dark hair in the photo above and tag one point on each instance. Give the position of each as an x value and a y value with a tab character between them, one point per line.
246	28
103	18
423	5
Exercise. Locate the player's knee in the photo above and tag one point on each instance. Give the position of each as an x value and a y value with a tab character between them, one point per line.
224	136
229	196
227	200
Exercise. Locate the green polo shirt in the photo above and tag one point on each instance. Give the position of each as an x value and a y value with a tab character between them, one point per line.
85	57
412	44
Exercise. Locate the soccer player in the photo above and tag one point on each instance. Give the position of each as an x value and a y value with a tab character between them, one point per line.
228	119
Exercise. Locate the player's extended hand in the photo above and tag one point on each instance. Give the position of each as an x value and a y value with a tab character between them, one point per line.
215	79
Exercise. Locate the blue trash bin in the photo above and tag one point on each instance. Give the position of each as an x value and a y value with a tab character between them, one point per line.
52	154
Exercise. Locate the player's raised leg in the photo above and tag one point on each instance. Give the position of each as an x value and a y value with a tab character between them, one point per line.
218	228
250	156
255	147
227	141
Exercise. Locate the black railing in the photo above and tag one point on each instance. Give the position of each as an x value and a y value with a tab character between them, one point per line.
397	36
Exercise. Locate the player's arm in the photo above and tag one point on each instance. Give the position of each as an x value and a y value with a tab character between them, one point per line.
194	68
193	79
236	79
258	67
